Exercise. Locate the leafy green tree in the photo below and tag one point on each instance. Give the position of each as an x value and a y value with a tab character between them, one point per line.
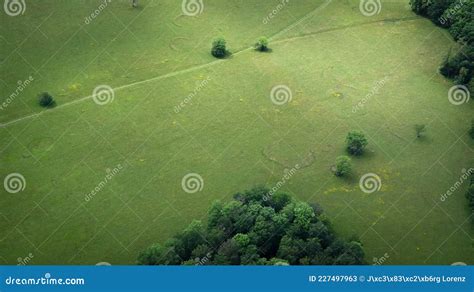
343	166
151	256
215	215
46	100
228	254
279	200
219	48
262	44
356	143
291	249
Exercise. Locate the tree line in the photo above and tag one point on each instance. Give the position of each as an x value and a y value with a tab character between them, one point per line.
458	17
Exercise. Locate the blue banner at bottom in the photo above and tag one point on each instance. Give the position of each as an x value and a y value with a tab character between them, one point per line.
242	278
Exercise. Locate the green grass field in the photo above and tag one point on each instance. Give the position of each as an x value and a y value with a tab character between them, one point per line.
328	53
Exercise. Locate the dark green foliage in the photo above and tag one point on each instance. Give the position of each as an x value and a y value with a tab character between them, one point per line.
151	255
460	67
219	49
458	17
343	166
436	9
432	9
258	229
460	20
420	6
356	143
46	100
262	44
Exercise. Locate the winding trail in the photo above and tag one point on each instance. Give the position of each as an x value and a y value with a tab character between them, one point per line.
199	67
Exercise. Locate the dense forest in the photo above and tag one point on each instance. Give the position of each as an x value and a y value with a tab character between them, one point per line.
258	228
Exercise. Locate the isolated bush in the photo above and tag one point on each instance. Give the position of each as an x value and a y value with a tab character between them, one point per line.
262	44
250	231
356	143
219	49
343	166
420	130
46	100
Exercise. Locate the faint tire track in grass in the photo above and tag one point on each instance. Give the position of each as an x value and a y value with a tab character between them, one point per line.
202	66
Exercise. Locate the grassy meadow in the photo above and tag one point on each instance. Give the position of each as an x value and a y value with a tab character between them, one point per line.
177	110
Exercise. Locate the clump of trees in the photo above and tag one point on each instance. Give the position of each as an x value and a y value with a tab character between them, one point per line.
458	17
219	48
258	228
262	45
46	100
356	143
343	166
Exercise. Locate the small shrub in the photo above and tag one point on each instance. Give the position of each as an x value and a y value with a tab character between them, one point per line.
356	143
46	100
262	44
420	130
343	166
219	49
